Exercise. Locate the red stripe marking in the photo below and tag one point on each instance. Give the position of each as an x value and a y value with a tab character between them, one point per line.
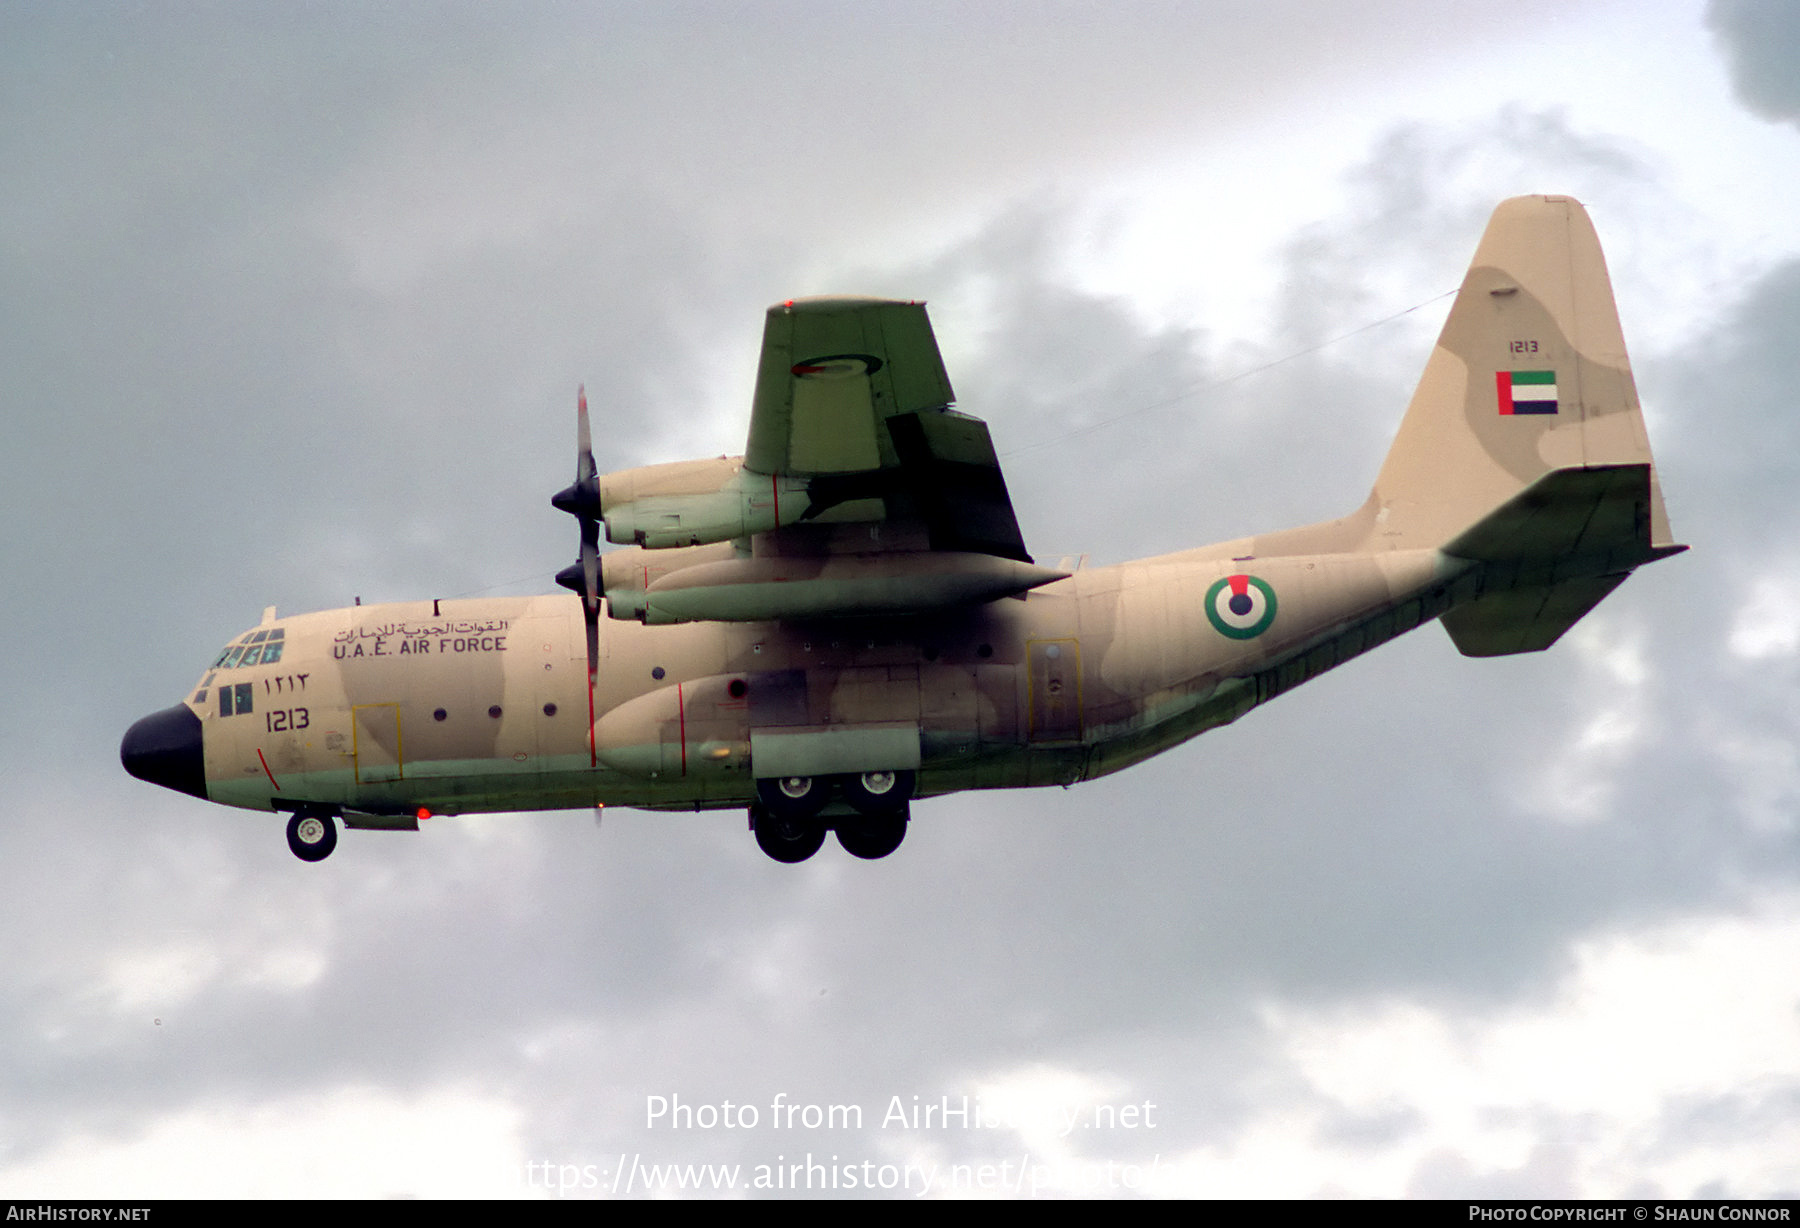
1240	585
775	490
266	771
1503	389
681	711
593	750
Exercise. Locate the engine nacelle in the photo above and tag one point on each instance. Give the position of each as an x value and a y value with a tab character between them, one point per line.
625	575
745	589
690	503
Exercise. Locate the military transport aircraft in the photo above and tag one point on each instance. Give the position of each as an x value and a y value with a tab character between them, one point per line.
845	619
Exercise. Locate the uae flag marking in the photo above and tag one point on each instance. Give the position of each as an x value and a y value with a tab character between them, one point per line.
1526	392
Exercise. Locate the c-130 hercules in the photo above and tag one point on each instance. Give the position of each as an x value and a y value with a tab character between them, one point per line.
845	620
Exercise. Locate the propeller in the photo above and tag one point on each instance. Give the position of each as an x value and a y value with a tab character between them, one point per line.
582	501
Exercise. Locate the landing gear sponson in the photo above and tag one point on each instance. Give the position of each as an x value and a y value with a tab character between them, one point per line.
869	812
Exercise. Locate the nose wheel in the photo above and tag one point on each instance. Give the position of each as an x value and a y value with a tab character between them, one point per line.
311	836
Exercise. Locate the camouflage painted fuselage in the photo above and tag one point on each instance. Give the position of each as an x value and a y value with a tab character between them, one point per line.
468	706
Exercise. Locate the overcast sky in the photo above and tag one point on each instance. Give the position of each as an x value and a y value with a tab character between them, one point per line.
293	305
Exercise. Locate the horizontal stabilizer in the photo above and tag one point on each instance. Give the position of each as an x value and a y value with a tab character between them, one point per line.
1549	554
1595	518
1525	619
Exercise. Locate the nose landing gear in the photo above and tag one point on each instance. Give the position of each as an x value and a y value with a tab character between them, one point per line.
311	835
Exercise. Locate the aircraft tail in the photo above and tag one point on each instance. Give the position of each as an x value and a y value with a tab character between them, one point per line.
1523	450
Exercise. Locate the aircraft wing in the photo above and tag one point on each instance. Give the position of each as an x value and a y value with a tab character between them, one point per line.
851	398
860	491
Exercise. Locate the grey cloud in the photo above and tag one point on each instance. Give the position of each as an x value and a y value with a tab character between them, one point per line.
1738	440
1761	39
1370	1129
1550	1171
1420	199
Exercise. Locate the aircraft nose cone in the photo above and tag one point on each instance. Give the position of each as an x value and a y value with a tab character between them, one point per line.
165	749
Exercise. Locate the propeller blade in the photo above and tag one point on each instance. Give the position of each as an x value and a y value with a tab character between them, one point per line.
590	580
590	565
581	499
584	439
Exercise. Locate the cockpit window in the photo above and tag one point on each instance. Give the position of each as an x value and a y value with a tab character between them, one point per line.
257	648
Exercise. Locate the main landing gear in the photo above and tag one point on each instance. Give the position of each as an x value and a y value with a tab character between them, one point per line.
311	835
786	838
792	814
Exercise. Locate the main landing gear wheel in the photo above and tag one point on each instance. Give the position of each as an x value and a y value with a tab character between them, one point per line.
870	836
786	838
878	792
311	836
794	797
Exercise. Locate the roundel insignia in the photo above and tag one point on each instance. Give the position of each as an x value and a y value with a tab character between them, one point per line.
1240	607
836	366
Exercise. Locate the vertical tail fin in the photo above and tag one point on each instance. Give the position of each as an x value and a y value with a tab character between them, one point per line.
1524	449
1529	375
